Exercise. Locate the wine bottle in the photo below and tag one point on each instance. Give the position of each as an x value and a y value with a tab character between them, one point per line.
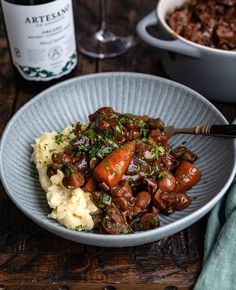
42	42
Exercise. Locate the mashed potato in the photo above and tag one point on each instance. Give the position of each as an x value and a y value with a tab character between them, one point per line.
71	207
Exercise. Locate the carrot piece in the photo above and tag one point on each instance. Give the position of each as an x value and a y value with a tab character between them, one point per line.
112	168
186	176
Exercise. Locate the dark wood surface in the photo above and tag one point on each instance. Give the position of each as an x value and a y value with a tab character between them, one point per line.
32	258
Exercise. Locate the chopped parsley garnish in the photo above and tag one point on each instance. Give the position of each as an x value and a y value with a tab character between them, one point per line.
156	168
107	150
131	181
118	129
59	138
106	198
91	133
93	151
64	162
125	231
137	169
184	143
116	170
143	132
33	173
160	175
125	147
100	205
140	225
45	146
81	147
122	120
144	174
141	123
111	116
53	151
161	149
93	214
106	134
112	143
157	149
70	171
152	221
79	228
180	149
129	115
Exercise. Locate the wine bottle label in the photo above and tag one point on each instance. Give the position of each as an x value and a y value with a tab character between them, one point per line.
41	39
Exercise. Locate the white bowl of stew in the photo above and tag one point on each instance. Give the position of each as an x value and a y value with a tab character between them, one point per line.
208	70
74	100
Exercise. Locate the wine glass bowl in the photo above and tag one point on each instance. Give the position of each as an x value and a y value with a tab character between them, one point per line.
104	43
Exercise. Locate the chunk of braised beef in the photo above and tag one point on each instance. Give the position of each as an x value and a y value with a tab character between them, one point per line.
131	122
73	180
137	165
114	222
107	123
103	187
79	128
147	221
183	200
69	150
168	161
102	199
97	218
61	157
169	198
60	160
142	200
157	200
144	151
100	113
89	185
166	181
82	163
155	123
169	210
121	203
132	135
178	21
93	162
134	180
123	199
121	189
51	171
151	185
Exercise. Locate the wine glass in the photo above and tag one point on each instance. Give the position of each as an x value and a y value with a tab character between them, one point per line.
104	43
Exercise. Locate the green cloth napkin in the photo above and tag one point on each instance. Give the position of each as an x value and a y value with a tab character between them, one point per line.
219	263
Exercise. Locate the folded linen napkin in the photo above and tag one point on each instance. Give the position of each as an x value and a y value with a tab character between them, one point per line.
219	263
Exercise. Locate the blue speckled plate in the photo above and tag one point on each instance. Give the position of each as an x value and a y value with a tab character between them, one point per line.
73	100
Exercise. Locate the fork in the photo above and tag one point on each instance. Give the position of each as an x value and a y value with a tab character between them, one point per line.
207	130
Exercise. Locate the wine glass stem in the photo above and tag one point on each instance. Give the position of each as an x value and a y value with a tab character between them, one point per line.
103	34
103	13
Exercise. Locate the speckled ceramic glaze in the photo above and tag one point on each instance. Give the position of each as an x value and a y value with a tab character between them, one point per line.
73	100
207	70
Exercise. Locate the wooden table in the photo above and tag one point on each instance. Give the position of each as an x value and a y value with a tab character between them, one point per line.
32	258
